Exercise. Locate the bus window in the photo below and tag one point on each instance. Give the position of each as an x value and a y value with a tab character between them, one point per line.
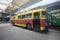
36	15
29	16
23	16
13	17
56	15
44	14
19	17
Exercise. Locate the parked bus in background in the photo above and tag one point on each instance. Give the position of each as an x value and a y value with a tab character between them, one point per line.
34	19
54	18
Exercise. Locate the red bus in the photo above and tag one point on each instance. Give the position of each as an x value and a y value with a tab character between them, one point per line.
35	19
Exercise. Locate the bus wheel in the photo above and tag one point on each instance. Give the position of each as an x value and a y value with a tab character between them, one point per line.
28	26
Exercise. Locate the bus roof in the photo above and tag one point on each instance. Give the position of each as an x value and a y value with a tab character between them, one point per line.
31	11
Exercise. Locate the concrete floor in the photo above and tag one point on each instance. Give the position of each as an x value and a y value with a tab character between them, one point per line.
9	32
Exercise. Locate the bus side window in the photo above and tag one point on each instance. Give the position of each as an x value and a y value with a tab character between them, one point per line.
23	16
19	17
13	17
29	16
36	15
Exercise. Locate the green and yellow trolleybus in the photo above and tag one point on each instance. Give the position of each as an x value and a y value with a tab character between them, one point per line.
34	19
54	18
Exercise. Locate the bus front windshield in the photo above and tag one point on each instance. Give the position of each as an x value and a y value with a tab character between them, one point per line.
44	14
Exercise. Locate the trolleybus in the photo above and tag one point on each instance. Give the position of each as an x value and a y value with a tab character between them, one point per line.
35	19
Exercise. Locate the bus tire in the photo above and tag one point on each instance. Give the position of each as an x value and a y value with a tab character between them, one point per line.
29	26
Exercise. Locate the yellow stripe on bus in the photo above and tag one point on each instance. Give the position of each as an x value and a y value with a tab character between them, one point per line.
23	25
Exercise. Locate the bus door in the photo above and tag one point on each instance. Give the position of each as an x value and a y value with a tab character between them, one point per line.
36	21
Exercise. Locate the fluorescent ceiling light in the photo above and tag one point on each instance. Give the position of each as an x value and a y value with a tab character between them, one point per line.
6	2
3	6
41	3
